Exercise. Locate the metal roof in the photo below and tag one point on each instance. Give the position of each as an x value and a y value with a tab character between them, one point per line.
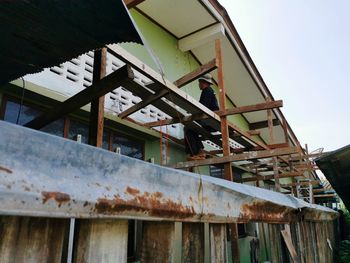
40	34
62	178
336	167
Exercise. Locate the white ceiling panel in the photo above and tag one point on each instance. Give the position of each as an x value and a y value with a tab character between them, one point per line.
180	17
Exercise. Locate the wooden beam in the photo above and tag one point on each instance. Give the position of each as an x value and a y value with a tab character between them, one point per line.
120	77
184	119
251	108
228	173
301	183
238	157
132	3
262	124
254	132
97	105
323	190
325	195
208	67
287	237
270	177
143	103
223	120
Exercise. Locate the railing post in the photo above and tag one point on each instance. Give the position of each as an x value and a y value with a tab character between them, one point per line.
218	243
101	240
158	242
192	242
32	239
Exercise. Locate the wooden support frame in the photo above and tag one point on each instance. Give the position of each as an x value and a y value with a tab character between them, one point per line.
145	102
223	120
251	108
270	177
126	57
315	182
97	104
120	77
238	157
325	195
188	78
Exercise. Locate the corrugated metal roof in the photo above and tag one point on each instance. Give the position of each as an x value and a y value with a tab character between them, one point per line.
39	34
336	167
62	178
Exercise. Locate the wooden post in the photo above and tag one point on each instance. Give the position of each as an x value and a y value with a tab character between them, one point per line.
32	239
218	244
97	105
272	141
222	103
228	175
192	242
158	242
102	240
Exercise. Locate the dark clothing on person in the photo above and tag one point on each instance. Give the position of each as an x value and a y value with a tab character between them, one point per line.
193	143
208	99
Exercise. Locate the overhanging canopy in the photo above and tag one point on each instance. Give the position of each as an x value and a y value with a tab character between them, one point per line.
39	34
336	167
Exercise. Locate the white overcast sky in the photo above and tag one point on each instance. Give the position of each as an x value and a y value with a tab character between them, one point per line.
302	50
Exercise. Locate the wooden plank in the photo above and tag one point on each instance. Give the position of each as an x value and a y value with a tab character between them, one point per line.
262	124
326	195
288	241
285	131
218	243
120	77
31	239
132	3
102	240
192	242
234	242
238	157
270	177
158	242
145	102
97	104
205	68
251	108
223	120
301	184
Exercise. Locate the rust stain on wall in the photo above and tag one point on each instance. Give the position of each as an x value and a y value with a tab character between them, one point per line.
267	212
151	203
59	197
132	191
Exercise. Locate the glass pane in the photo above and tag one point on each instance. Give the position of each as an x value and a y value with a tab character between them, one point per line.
76	128
54	128
105	144
12	111
128	147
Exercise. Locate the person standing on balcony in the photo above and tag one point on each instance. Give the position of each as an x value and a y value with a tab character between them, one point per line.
193	144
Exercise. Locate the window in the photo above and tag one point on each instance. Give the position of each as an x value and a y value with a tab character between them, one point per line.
111	140
14	113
